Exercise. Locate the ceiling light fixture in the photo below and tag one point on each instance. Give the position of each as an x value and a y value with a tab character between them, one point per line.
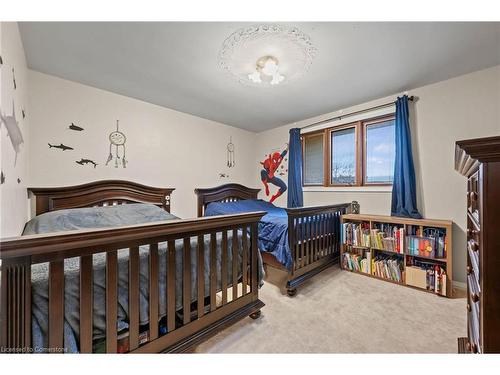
267	55
267	67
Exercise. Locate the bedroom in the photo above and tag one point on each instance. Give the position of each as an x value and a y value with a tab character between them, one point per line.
262	162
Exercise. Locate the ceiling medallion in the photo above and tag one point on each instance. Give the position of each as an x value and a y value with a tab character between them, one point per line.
267	55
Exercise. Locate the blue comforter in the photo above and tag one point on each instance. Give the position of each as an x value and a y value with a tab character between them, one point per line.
273	227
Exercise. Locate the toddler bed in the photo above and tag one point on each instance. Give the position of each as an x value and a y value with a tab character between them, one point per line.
124	278
302	241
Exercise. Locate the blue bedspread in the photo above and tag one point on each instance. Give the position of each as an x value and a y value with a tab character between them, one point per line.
273	227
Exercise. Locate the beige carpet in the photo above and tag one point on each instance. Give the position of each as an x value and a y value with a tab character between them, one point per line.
342	312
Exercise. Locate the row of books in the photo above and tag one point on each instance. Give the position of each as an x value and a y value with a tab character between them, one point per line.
357	262
388	237
356	234
385	236
425	242
388	267
422	274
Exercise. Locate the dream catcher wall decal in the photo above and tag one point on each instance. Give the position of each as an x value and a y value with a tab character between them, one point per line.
117	139
230	153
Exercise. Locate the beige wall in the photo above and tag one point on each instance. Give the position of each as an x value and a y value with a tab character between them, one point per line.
460	108
165	148
13	202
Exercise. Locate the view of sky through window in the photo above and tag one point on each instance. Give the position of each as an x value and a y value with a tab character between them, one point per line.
380	152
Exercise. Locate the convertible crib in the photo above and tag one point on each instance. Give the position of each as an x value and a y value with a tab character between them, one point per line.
313	232
221	304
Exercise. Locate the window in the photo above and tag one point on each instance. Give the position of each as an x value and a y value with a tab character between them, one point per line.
356	154
380	152
343	157
313	159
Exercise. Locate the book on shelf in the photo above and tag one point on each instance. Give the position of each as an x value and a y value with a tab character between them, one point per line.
388	267
356	234
357	262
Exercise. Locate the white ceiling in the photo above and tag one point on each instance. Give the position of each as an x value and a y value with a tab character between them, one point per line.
174	64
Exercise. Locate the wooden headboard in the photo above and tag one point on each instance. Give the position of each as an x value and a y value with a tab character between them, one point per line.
223	193
99	193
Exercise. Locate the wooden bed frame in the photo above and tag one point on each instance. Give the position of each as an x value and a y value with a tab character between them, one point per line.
319	226
197	321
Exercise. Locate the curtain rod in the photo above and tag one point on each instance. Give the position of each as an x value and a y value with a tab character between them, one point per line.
340	117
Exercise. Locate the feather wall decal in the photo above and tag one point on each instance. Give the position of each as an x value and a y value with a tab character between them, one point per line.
13	130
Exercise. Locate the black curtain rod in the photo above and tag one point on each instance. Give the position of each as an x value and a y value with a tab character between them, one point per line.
340	117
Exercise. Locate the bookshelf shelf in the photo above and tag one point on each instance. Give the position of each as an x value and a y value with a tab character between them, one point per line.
419	271
384	250
442	260
376	277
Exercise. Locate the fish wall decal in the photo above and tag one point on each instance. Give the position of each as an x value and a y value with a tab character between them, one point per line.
13	130
75	127
61	146
86	161
18	180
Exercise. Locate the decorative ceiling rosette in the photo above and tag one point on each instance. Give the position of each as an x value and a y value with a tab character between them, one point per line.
267	55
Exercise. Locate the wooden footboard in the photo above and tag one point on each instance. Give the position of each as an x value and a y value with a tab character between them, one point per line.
194	322
314	239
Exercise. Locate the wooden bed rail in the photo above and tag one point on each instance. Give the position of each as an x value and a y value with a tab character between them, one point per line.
314	240
184	327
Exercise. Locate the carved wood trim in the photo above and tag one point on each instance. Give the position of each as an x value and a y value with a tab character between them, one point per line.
99	193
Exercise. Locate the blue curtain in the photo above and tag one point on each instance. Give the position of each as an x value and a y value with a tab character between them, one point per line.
295	198
404	190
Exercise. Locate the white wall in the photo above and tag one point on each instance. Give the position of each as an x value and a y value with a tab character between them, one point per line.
165	148
13	199
460	108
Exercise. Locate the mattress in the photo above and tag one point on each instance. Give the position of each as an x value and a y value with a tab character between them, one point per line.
273	227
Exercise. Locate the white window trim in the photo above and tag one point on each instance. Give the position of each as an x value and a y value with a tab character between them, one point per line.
350	119
348	189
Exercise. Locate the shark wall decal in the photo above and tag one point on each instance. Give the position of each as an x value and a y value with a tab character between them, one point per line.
75	127
13	130
61	147
86	161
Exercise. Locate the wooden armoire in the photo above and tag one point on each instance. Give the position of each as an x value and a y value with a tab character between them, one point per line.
479	161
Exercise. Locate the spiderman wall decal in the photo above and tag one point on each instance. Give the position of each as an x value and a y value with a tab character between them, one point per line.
269	171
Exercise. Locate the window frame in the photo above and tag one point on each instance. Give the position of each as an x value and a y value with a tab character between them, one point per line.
360	144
